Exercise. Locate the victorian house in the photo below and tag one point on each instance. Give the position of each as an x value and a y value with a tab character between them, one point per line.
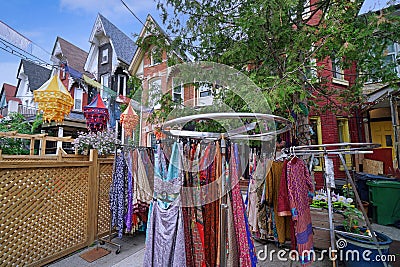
30	77
110	54
151	65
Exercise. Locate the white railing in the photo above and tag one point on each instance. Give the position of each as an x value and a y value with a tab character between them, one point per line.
27	111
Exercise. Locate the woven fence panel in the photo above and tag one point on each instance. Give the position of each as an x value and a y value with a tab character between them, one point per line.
43	213
103	214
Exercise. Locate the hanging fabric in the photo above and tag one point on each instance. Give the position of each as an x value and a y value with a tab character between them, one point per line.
165	226
246	254
129	120
96	115
300	189
54	100
117	199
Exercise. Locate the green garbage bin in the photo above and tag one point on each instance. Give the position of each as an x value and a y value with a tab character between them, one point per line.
385	198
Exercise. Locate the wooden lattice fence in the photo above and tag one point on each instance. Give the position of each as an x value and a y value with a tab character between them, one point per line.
51	206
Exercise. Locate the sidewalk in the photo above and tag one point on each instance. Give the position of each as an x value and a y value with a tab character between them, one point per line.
133	247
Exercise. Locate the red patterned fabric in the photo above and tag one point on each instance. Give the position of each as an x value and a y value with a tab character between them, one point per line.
299	188
238	214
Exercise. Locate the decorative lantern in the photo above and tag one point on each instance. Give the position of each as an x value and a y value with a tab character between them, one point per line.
129	120
54	100
96	115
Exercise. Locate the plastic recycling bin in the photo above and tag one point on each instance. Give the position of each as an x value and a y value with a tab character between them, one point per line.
385	198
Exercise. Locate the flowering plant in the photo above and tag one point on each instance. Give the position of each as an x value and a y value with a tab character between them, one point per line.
104	142
353	218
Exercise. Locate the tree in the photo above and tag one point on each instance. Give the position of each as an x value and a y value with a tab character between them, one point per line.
14	122
276	43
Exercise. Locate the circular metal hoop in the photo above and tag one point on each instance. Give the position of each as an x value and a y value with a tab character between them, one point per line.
166	128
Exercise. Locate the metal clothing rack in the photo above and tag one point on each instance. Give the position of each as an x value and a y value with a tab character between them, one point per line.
170	128
108	238
339	149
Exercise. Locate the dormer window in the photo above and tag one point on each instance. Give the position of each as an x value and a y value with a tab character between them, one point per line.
156	56
104	56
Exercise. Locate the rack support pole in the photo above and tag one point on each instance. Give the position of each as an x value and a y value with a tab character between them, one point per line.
328	180
361	207
223	207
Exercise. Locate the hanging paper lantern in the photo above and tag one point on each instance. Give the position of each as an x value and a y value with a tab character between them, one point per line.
129	120
54	100
96	115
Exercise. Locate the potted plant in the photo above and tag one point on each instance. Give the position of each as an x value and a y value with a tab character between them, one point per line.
104	142
353	239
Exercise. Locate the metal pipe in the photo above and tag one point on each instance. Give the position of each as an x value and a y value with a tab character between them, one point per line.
223	206
328	182
361	207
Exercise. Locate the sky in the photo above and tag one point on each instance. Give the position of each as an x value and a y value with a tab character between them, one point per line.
42	21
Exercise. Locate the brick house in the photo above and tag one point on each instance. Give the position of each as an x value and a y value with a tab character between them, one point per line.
333	127
150	65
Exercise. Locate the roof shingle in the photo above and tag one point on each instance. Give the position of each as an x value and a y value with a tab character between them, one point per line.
37	75
124	46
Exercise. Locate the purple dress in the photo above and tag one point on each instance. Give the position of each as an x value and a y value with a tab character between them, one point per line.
165	241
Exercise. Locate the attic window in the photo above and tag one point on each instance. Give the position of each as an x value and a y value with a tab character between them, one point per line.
156	56
104	56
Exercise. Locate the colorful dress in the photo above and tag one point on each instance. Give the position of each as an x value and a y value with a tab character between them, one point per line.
117	194
246	250
300	189
165	240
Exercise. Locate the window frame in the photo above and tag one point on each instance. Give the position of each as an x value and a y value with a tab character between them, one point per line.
157	95
318	132
76	90
155	53
102	81
104	56
181	93
344	137
119	76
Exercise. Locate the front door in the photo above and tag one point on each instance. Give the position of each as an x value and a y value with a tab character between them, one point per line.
382	133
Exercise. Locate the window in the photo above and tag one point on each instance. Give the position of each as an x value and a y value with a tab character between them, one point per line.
154	93
122	84
104	81
311	69
337	71
391	54
104	56
156	56
177	92
344	137
316	139
62	74
307	10
78	96
205	97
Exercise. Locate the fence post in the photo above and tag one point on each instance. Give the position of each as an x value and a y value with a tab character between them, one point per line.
93	196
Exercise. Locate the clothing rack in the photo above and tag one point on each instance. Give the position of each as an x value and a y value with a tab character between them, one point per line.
338	149
170	128
108	238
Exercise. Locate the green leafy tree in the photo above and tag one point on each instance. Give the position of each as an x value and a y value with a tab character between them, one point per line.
14	146
277	42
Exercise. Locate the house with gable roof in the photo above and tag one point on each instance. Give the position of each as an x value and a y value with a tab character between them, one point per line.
110	54
7	97
30	77
150	64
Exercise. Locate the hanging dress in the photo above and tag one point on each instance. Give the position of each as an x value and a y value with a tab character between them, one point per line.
117	194
165	241
246	248
300	189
